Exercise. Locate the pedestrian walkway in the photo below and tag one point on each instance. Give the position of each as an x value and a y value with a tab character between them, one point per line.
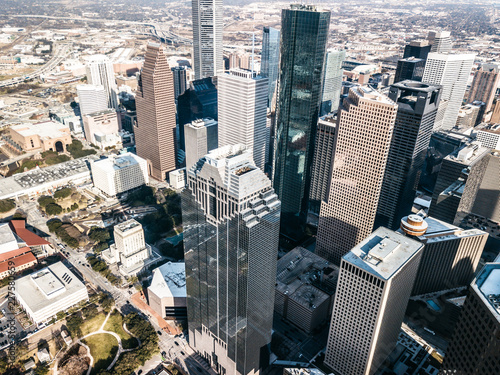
139	301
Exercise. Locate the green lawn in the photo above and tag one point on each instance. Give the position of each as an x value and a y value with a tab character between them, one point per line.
93	324
103	347
115	324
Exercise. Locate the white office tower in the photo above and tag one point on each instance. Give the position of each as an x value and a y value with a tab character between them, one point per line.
375	281
92	98
200	137
452	72
130	250
440	41
207	38
332	81
100	72
117	174
242	106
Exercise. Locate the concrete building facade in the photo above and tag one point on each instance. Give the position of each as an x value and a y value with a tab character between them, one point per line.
167	292
100	123
485	84
201	137
332	81
91	98
100	72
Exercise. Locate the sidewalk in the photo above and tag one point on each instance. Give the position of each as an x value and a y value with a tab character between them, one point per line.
139	301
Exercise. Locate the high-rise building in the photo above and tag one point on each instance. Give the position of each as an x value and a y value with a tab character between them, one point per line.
100	72
418	49
242	103
231	219
180	80
332	81
450	256
440	41
362	142
199	101
304	31
485	84
100	123
410	68
201	138
374	286
270	59
207	38
452	72
495	116
458	182
468	116
322	162
417	108
156	121
475	346
91	99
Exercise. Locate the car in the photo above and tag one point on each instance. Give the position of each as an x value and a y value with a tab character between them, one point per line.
159	332
182	353
176	343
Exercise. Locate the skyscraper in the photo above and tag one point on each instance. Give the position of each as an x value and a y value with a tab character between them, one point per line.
417	108
374	286
100	72
410	68
362	142
231	221
270	59
303	44
156	122
201	137
452	72
242	103
332	81
418	49
458	182
484	86
475	346
179	74
450	256
440	41
207	38
91	98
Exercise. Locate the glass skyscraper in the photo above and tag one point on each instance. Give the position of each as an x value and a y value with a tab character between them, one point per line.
231	230
270	59
303	45
332	81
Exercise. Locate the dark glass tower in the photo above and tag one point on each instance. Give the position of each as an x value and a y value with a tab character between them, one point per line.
231	231
270	59
417	48
303	44
417	108
410	68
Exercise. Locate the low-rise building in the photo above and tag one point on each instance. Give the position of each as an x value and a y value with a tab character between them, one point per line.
167	292
43	136
118	174
99	124
44	293
177	178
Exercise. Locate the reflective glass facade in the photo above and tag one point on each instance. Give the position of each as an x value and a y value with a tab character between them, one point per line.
303	44
270	59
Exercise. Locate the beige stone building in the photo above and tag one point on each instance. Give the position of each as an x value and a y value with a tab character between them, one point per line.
43	136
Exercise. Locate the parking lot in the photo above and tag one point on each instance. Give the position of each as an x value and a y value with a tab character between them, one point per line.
7	325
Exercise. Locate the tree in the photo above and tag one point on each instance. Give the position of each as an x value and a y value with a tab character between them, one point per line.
6	205
63	193
42	369
45	200
97	234
107	303
74	324
53	209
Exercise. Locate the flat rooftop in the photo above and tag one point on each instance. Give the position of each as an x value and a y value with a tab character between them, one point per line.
469	154
115	163
383	252
487	284
368	93
169	280
46	129
128	225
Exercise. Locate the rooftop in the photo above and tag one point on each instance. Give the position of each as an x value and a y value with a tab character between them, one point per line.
488	284
469	153
114	163
493	128
169	280
383	253
127	225
108	111
46	129
368	93
30	238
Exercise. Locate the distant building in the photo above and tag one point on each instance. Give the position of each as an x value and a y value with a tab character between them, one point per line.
100	123
91	98
410	68
44	293
362	142
305	285
180	80
450	256
489	136
154	131
485	84
130	250
242	106
440	41
467	116
269	66
487	202
127	81
475	345
117	174
452	72
207	37
100	72
374	286
167	292
201	137
332	81
458	182
42	136
418	49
